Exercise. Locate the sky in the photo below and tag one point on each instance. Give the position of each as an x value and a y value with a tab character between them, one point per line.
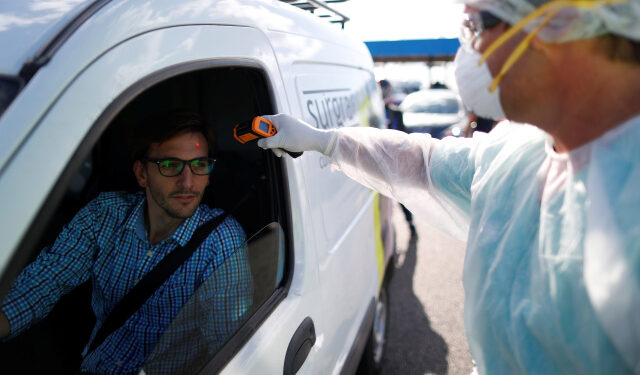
401	19
372	20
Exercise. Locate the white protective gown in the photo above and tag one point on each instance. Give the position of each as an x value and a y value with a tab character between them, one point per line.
552	269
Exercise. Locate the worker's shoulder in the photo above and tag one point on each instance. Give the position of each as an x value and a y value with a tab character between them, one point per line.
511	130
622	141
509	139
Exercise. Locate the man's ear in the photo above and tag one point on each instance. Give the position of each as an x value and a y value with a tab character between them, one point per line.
551	53
141	173
539	44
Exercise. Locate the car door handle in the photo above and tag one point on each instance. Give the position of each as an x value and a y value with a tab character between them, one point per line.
299	347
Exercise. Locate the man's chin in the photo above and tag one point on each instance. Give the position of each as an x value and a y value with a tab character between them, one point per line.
183	211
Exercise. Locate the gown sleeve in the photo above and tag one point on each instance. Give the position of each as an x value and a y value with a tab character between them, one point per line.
431	177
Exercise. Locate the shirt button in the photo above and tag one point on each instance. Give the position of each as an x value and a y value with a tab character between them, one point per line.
149	253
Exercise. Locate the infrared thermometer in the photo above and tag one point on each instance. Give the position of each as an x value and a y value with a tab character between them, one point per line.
258	127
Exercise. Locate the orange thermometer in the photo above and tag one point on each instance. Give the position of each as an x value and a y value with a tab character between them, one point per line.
258	127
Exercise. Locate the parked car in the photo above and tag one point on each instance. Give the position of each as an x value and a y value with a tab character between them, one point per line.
75	80
400	90
433	111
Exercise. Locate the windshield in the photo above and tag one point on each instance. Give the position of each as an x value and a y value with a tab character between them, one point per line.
26	25
8	90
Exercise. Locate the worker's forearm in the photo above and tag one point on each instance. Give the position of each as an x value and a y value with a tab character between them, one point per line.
5	329
383	159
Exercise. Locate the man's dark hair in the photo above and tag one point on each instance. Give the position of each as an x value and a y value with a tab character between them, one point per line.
164	125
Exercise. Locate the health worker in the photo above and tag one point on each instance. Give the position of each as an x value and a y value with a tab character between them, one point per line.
549	201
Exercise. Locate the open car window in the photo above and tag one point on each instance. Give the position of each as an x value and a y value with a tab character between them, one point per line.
220	305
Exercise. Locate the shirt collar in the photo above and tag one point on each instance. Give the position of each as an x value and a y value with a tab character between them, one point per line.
183	233
135	221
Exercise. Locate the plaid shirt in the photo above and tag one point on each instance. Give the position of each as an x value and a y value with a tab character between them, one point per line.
107	242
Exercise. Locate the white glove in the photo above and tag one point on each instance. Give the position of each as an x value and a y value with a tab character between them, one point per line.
296	135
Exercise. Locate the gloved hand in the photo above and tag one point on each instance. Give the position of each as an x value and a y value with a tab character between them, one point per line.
296	135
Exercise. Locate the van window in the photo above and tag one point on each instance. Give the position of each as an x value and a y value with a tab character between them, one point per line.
245	182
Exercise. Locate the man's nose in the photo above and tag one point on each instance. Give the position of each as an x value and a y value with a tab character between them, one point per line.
185	179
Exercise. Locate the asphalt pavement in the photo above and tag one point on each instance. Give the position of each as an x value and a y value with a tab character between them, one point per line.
426	329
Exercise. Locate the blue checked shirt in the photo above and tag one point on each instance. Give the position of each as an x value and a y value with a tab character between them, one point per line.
107	243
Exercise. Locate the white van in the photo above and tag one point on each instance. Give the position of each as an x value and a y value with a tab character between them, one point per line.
75	79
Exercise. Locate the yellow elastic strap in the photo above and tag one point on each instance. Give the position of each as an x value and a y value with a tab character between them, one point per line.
550	9
515	55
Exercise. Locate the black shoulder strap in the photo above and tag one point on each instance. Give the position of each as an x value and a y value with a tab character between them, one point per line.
141	292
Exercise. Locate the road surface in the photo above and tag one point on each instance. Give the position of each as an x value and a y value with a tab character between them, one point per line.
426	330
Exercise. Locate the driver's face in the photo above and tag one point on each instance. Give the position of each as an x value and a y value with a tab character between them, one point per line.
176	197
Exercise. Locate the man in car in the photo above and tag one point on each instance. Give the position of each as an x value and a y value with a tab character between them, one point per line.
119	237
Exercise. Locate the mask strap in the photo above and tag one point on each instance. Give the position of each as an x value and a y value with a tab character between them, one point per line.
549	10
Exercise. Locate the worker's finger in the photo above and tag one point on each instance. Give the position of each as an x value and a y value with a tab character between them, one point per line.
279	152
271	142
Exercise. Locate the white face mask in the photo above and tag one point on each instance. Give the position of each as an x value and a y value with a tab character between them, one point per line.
473	85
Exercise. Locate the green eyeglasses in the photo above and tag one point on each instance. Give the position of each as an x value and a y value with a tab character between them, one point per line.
171	167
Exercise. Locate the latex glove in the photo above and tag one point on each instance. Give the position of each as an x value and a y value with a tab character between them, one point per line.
296	135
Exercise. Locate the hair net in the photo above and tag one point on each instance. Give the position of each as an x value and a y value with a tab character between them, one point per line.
575	19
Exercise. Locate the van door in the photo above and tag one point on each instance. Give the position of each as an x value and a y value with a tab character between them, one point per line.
72	127
330	86
341	210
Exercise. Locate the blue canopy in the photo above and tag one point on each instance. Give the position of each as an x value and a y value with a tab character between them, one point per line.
414	50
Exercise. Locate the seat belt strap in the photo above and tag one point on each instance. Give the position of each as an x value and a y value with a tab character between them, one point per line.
147	286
